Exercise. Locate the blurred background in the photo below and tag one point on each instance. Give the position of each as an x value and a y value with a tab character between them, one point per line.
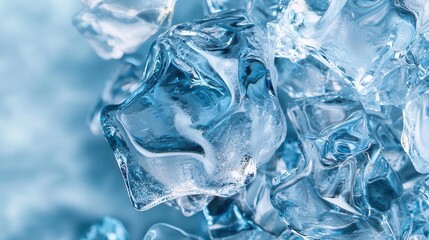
56	178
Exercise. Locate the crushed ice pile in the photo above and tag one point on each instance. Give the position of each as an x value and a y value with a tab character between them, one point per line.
279	119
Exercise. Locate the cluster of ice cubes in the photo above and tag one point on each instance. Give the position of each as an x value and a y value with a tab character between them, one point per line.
278	119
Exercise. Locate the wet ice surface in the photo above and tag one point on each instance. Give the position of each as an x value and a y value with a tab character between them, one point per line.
206	112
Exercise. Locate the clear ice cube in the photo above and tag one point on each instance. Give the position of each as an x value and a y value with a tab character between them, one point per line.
115	27
163	231
205	116
107	229
415	140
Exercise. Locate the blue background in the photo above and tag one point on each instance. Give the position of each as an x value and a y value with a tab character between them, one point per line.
56	178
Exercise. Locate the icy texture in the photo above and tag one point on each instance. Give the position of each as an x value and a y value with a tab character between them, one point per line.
107	229
117	27
192	204
365	41
206	113
250	214
309	77
343	188
387	126
420	9
162	231
415	137
418	204
263	10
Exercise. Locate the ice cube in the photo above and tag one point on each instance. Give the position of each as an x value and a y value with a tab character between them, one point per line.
205	115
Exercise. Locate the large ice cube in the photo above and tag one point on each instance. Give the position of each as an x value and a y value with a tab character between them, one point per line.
205	115
117	27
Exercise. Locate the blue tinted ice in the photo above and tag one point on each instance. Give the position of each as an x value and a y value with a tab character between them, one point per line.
115	27
415	138
250	214
343	187
107	229
162	231
387	126
367	42
124	81
418	204
205	115
420	8
263	10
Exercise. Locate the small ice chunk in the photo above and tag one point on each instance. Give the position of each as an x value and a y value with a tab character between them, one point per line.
163	231
116	27
107	229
